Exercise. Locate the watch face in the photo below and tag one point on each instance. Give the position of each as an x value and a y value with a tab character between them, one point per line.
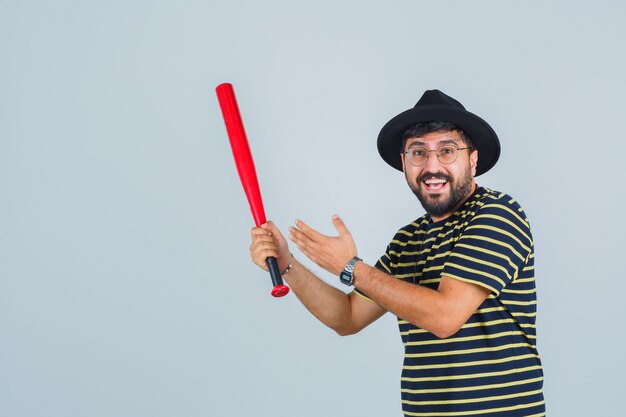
345	278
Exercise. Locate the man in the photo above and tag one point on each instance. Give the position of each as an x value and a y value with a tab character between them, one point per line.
460	279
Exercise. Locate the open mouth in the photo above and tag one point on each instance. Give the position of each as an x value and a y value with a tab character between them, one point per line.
435	184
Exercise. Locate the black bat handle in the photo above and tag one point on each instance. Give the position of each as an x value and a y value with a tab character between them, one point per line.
279	289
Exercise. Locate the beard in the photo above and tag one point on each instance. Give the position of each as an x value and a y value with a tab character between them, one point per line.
439	204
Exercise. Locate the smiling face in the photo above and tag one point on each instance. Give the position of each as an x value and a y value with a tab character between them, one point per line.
441	188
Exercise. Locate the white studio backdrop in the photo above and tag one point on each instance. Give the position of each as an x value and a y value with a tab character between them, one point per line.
125	283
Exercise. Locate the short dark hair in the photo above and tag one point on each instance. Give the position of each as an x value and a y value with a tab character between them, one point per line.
424	128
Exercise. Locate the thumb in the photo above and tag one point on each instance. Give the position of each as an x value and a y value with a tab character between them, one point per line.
340	226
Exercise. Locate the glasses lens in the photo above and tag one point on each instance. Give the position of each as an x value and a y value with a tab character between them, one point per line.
447	154
417	156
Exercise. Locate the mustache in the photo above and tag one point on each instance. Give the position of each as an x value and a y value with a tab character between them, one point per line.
434	175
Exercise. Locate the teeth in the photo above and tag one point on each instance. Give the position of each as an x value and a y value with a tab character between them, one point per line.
435	181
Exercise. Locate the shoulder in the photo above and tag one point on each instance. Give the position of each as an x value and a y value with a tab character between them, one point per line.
496	203
496	216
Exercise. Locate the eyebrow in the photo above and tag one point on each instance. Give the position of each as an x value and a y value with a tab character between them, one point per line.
443	142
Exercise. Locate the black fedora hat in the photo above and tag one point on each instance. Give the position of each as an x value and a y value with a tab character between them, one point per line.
435	106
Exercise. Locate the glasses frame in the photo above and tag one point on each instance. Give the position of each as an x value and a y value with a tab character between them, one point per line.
428	151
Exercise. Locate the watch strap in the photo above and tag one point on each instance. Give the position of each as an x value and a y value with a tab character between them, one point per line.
347	275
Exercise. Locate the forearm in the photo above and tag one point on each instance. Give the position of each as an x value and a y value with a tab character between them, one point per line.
422	306
328	304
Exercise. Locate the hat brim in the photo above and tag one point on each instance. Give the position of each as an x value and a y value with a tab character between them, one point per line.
484	137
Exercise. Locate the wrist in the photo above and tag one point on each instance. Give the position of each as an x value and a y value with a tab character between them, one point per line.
285	262
359	271
283	272
346	276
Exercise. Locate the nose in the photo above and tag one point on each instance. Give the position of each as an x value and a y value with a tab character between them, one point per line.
432	163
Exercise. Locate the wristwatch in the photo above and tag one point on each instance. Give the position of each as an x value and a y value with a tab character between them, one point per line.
346	276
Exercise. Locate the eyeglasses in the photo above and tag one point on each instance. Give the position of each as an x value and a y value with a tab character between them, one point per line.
446	154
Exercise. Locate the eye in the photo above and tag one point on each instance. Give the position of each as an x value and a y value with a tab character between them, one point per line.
418	152
447	150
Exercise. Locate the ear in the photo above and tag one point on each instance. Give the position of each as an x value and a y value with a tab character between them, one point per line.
474	161
402	159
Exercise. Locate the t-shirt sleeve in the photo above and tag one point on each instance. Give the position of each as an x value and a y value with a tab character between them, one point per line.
388	262
493	248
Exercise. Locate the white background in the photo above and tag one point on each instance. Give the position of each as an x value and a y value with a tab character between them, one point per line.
125	283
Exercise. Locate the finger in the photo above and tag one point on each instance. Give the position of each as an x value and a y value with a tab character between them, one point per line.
262	238
259	231
263	244
262	250
303	243
306	250
308	231
340	226
298	237
272	229
259	255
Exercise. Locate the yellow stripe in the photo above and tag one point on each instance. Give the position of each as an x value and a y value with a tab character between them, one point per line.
465	326
472	388
501	231
505	208
481	262
443	243
490	309
362	296
474	363
487	323
438	255
519	291
471	281
475	400
469	413
524	314
499	243
413	253
469	351
471	376
410	242
386	267
475	271
430	281
400	276
403	253
507	221
465	339
488	252
519	303
433	268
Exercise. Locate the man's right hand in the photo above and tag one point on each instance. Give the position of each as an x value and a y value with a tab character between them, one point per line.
268	241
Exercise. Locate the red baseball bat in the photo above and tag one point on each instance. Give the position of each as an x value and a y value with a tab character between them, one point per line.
247	173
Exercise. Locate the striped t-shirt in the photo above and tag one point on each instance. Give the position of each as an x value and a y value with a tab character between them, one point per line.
491	365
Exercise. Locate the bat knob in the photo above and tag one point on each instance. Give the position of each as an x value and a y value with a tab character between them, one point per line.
280	290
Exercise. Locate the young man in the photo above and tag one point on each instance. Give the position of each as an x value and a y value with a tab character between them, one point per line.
460	279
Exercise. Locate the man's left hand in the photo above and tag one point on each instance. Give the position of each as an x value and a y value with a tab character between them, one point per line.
330	253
